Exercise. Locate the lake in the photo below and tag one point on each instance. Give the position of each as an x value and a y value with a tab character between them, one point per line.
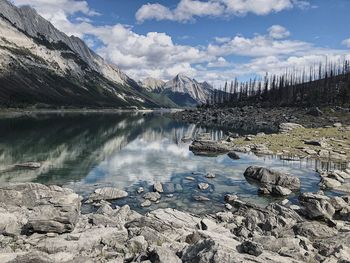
129	150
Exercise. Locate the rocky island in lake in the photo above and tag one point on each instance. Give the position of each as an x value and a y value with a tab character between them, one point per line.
196	131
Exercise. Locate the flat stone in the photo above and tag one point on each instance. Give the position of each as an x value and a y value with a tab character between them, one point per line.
107	193
146	203
200	198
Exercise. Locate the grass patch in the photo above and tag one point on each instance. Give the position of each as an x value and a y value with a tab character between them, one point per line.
293	142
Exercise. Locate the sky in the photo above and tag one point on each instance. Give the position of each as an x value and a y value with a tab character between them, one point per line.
209	40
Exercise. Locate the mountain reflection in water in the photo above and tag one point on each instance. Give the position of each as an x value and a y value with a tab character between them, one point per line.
128	150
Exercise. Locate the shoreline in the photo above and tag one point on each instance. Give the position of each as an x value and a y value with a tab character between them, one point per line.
323	137
9	113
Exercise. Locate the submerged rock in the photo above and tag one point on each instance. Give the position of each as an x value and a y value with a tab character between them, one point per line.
233	156
200	198
152	196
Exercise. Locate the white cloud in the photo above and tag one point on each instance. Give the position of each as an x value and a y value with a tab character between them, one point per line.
257	46
346	42
278	32
187	10
221	40
219	63
156	54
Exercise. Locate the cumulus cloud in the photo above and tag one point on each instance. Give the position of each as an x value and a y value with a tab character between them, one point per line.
157	55
260	45
187	10
278	32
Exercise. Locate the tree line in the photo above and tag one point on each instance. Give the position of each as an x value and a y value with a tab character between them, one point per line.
322	84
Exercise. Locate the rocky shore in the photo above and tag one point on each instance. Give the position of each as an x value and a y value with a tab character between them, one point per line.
45	224
250	119
290	133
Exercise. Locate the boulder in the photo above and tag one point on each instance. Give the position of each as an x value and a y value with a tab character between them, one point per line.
266	176
208	147
52	209
107	193
317	206
289	126
251	248
233	155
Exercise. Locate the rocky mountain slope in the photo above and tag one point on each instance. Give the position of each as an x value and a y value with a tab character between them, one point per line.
182	90
42	66
153	84
182	84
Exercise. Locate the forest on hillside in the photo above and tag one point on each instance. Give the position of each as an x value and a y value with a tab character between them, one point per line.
320	85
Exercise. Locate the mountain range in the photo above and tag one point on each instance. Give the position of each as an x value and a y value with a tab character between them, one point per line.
43	67
183	90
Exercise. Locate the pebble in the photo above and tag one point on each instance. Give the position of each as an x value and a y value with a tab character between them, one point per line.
203	186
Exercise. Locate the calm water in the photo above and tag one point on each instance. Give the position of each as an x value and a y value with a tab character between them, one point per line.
127	151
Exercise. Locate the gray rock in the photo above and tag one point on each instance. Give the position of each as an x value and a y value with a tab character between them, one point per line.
208	147
140	190
251	248
52	209
233	156
200	198
228	206
210	175
317	206
152	196
280	191
203	186
146	203
287	127
107	193
163	255
314	230
157	187
190	178
230	198
269	177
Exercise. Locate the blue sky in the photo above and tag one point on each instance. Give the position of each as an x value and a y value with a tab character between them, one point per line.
212	40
